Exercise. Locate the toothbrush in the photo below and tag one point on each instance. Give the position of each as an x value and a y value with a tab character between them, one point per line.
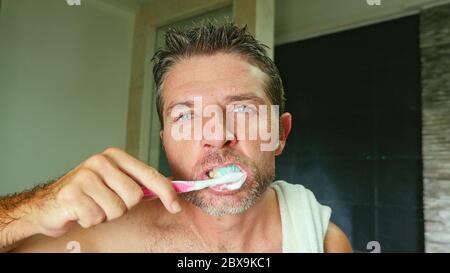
235	178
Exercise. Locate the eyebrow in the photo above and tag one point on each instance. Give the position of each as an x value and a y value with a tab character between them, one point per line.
187	103
245	96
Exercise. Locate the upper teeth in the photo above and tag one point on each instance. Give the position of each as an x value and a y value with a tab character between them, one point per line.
223	170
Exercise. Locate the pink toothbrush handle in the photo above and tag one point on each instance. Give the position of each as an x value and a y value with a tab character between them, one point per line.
179	186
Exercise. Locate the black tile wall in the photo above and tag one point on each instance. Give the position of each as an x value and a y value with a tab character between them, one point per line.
400	229
397	182
356	137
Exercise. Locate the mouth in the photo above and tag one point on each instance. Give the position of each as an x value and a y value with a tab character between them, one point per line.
221	170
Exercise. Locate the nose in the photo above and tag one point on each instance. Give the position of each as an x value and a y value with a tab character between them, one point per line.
216	134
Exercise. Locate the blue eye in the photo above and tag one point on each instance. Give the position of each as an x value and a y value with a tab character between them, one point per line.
242	109
184	117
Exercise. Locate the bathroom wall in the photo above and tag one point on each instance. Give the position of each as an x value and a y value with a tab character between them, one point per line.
435	47
64	79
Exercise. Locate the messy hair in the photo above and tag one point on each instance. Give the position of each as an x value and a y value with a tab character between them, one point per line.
207	39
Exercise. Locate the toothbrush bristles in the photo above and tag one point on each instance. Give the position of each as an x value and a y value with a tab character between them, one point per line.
221	171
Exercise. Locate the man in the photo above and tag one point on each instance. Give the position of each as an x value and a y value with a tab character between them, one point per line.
99	206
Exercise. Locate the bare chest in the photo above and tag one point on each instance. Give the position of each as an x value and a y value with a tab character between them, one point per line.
179	238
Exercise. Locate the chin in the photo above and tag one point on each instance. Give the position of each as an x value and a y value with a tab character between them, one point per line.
226	202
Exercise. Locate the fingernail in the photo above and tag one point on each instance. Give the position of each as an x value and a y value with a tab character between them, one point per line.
176	206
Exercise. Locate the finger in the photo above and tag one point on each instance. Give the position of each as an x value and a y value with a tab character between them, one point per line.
147	176
88	213
112	205
124	186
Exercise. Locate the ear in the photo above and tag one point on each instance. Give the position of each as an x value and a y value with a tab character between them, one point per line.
285	129
161	137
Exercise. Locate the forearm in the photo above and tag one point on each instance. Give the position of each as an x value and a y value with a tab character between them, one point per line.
12	234
16	217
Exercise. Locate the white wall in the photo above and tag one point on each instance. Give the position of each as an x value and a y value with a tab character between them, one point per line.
64	80
301	19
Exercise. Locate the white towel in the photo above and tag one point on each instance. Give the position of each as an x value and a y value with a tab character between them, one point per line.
304	220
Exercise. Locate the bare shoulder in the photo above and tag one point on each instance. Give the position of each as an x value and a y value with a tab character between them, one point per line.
336	241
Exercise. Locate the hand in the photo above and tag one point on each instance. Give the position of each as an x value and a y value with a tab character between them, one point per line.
102	188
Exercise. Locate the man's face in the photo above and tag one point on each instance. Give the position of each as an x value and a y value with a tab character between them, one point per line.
227	83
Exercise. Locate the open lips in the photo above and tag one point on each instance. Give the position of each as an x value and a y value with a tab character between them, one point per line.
220	171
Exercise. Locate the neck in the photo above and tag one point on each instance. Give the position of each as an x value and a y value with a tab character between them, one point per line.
256	229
